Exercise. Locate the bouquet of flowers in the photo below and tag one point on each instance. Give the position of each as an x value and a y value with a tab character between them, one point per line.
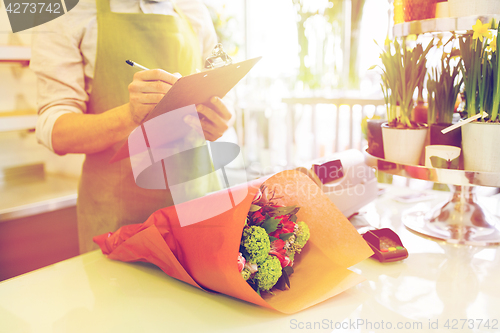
205	254
271	238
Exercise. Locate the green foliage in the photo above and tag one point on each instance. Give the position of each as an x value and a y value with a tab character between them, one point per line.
268	274
285	210
271	224
332	15
443	87
286	236
495	62
254	208
256	244
284	280
480	67
472	53
403	70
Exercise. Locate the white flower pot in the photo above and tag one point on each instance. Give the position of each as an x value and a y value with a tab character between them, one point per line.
403	145
480	146
459	8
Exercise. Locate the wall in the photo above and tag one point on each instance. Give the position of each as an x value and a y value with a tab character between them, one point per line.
35	241
18	93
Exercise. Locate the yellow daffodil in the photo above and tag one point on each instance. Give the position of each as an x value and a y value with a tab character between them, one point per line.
387	41
493	45
481	30
411	38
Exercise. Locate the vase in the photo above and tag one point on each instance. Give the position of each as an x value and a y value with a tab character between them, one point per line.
404	145
452	138
459	8
419	9
374	136
419	112
480	146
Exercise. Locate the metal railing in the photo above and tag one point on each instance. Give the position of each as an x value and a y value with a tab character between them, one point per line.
349	101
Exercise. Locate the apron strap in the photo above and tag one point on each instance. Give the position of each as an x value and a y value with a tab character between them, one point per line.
182	16
103	6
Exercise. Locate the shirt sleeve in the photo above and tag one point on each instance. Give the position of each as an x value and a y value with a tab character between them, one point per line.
59	65
63	56
199	16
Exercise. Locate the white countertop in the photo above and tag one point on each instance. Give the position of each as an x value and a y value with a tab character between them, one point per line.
29	196
437	284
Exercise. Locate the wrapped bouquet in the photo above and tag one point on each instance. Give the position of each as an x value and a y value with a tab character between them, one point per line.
254	246
271	238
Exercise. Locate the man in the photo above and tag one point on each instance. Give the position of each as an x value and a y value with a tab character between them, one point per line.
90	100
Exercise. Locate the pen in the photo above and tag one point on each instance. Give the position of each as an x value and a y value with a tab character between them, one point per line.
134	64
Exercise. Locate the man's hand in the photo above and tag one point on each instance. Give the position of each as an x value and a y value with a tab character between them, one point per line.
214	120
146	90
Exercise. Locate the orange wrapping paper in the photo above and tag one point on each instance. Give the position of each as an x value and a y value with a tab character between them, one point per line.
205	254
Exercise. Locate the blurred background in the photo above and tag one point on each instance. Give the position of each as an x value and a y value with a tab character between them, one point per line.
305	99
310	49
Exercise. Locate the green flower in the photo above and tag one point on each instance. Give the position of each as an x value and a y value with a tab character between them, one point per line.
268	274
302	234
256	243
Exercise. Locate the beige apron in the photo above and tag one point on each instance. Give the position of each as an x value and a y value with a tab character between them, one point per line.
108	196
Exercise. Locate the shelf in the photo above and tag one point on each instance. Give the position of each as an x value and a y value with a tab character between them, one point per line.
438	175
462	219
17	123
445	24
15	54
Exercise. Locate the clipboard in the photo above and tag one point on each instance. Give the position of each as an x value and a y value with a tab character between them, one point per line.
196	88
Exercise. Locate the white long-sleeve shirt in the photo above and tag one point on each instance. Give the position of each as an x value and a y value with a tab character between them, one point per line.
64	51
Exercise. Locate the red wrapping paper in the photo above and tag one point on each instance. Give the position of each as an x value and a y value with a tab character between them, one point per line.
205	254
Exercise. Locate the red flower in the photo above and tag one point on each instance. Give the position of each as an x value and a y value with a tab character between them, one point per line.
278	246
284	227
278	250
284	260
258	218
288	226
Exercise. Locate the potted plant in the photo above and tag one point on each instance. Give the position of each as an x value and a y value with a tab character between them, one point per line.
402	70
480	68
443	86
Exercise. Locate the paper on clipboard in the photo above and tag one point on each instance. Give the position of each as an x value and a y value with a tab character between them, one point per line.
196	88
